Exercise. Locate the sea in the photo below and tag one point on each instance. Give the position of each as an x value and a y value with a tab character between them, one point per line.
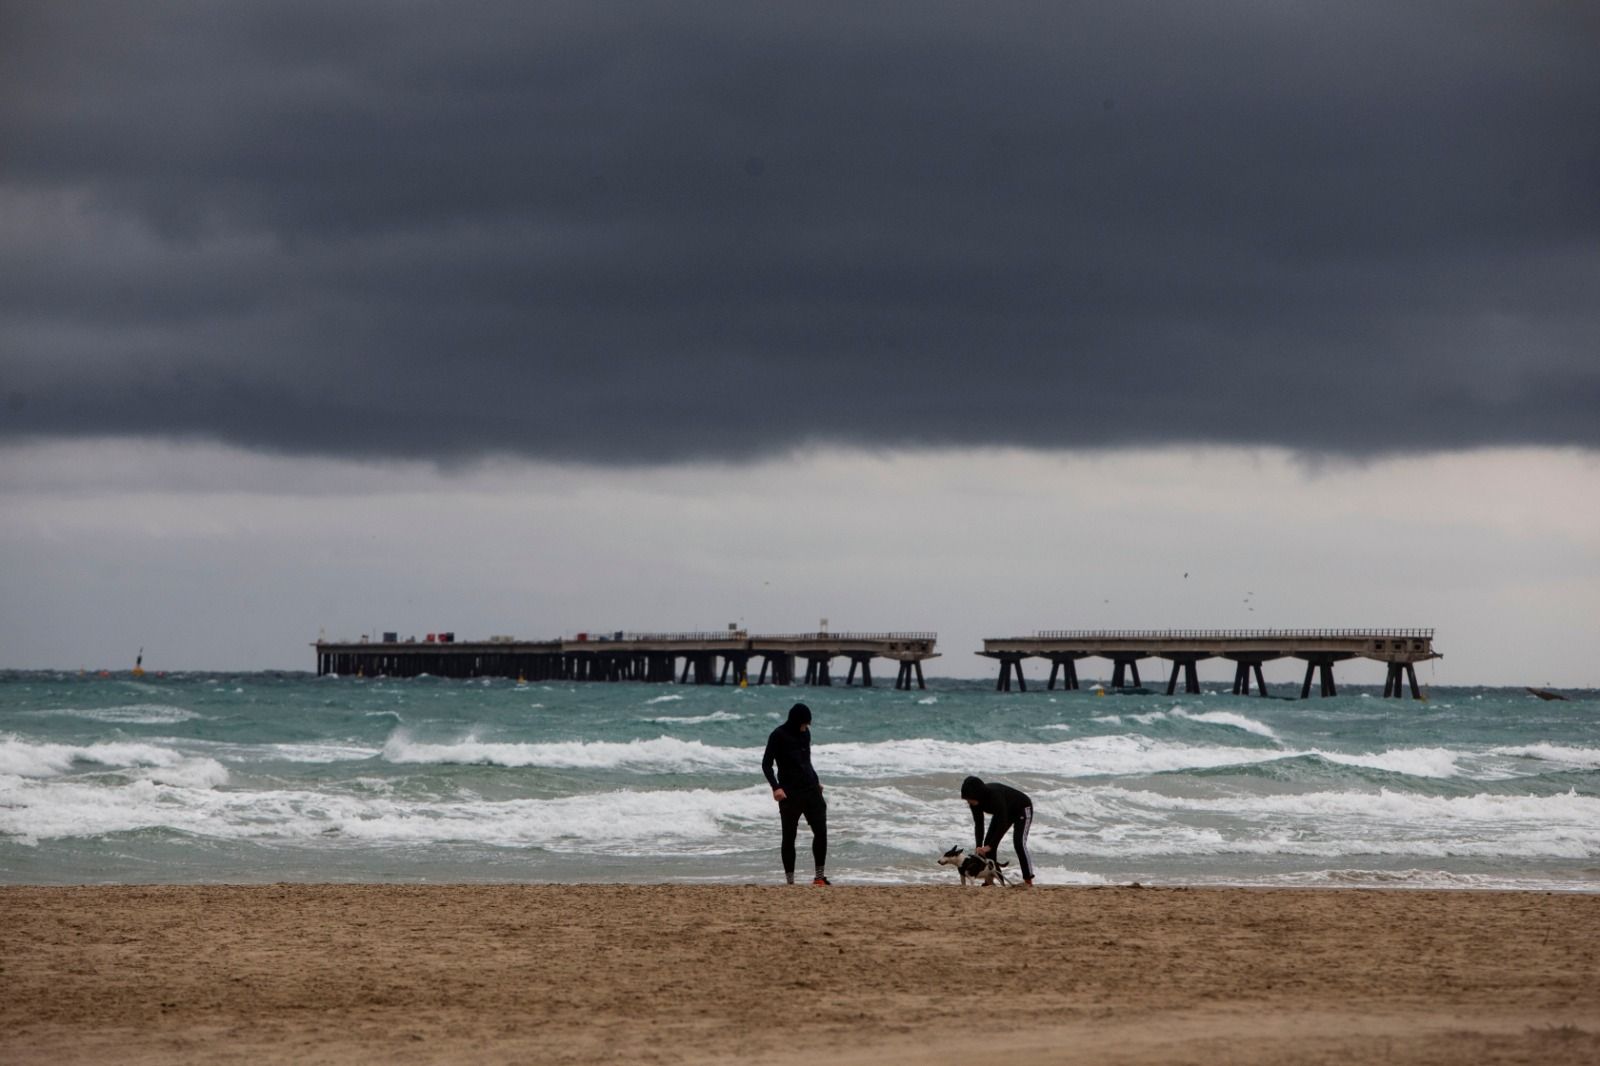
268	777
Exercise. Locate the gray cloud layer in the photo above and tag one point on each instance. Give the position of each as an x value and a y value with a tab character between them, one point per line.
670	231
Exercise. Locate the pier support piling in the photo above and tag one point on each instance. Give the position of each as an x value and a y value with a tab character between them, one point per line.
1009	664
865	663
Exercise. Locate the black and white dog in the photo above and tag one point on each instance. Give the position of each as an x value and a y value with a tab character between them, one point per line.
975	867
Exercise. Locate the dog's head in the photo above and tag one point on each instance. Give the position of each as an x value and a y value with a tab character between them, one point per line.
951	857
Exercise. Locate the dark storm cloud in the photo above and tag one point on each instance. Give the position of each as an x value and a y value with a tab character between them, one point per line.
658	232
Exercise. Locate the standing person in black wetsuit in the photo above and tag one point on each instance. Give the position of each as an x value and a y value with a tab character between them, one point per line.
1008	809
797	790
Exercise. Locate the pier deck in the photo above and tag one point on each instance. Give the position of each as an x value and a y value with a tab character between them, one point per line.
716	657
1401	649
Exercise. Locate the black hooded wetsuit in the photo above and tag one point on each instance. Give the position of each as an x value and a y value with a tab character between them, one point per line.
789	748
1009	808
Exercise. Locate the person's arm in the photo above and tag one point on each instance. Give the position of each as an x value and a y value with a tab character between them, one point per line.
1000	822
977	827
766	766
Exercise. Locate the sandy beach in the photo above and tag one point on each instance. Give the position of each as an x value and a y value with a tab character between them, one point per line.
678	974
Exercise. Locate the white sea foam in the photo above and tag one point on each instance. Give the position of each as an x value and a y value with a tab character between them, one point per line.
1103	823
1228	718
187	773
132	714
325	752
1088	756
1111	802
1112	822
29	759
627	822
1418	762
696	719
663	754
664	699
1561	755
311	752
1082	757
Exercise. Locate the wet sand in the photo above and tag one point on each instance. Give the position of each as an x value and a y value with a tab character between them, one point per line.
680	974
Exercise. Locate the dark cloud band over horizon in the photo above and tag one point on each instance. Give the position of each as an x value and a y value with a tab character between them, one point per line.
663	232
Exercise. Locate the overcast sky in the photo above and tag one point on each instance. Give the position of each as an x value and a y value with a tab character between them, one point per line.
533	318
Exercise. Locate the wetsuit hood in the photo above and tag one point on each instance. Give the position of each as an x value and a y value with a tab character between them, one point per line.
974	789
799	715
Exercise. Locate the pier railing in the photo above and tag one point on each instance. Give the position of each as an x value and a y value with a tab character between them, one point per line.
1229	634
854	637
699	638
723	635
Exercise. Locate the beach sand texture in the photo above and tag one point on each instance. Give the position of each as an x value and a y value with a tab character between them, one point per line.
882	975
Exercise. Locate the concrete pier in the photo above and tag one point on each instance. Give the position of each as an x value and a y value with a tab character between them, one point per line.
1247	649
719	657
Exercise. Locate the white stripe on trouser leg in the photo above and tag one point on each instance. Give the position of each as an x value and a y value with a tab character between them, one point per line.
1019	841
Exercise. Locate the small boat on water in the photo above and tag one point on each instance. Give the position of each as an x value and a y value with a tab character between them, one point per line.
1544	693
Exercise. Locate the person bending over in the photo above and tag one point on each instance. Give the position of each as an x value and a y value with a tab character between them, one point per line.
797	790
1007	808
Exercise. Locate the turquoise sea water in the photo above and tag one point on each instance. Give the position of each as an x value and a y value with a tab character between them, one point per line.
270	777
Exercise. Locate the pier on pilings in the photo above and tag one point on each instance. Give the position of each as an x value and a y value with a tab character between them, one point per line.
708	658
909	650
1248	649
